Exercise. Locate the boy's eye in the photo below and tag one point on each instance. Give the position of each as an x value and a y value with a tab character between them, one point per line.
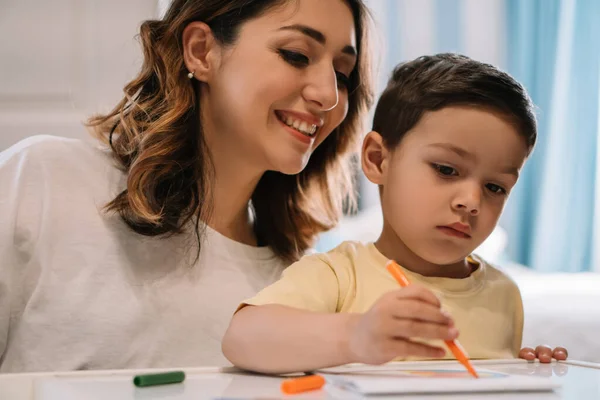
294	58
445	170
495	188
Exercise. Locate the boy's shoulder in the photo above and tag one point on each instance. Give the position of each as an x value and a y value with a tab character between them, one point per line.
344	256
346	251
494	273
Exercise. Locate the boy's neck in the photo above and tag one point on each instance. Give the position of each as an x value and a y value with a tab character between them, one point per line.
396	250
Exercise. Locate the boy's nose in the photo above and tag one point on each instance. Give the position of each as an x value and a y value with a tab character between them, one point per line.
466	208
469	202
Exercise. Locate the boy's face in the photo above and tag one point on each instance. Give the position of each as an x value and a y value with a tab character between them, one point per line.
445	185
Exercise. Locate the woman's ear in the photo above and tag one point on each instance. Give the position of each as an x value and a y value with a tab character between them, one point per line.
374	158
200	51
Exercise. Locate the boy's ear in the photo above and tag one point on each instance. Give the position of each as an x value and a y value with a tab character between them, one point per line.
374	158
201	52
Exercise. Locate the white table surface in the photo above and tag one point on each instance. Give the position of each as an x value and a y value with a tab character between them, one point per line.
580	381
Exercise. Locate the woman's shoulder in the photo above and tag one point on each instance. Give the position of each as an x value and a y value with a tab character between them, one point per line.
57	158
48	148
61	176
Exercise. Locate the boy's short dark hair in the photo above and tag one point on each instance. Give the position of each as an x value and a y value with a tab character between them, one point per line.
431	83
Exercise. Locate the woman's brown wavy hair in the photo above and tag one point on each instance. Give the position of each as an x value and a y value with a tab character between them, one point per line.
156	137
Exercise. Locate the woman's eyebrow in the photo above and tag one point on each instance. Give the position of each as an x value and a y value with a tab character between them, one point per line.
316	35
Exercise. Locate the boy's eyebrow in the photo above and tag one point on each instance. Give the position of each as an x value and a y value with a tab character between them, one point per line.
465	154
455	149
316	35
511	171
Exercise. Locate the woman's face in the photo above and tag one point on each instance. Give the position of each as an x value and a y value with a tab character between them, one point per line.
281	88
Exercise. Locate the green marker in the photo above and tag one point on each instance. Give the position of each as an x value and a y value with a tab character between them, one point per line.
164	378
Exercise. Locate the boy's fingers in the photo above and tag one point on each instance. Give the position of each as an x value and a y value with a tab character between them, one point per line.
403	347
560	353
527	353
422	311
544	353
410	328
418	293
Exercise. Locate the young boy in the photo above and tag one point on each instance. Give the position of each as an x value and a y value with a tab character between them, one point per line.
449	138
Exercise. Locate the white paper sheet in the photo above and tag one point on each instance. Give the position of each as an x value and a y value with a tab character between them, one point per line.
422	380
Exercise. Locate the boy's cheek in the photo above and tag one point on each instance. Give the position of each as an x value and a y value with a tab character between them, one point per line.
485	229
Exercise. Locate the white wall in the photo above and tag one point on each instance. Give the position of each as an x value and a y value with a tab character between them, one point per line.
62	60
162	6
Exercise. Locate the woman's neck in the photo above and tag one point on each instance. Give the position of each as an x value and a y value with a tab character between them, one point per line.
233	182
231	193
234	179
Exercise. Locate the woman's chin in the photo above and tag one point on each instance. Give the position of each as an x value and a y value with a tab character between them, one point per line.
292	166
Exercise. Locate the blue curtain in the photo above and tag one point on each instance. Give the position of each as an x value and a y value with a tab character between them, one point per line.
553	48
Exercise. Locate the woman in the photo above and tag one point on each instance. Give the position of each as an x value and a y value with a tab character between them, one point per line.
227	155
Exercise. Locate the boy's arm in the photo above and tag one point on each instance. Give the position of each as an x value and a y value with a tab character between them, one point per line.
280	339
291	325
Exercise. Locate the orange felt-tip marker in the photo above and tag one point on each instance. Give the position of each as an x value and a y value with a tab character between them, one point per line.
303	384
454	346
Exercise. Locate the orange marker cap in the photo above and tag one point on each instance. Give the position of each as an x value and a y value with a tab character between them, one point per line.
303	384
455	347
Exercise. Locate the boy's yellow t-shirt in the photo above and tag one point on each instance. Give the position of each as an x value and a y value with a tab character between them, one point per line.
486	306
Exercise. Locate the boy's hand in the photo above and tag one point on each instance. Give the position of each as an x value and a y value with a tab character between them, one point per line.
384	332
544	353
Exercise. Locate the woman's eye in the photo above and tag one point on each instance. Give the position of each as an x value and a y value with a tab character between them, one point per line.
495	188
343	81
445	170
294	58
299	60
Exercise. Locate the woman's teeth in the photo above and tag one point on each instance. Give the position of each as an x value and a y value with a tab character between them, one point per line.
301	126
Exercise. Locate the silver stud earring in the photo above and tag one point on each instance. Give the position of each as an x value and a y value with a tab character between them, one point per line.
191	75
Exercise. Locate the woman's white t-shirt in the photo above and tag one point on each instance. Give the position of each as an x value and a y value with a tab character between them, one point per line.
81	290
